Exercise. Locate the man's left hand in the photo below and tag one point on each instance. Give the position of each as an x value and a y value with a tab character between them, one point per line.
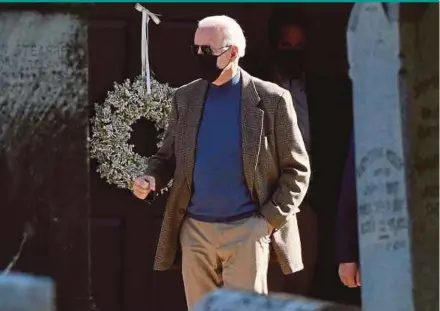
349	274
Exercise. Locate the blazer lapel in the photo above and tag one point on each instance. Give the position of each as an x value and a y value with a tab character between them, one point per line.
252	117
194	113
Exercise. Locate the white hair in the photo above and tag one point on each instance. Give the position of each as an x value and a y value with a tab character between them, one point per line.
233	34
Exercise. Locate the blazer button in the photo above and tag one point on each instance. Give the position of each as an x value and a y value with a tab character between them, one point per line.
182	211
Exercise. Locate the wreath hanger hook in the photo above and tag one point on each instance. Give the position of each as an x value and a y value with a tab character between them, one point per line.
146	16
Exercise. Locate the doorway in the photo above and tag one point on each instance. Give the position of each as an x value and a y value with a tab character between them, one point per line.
124	231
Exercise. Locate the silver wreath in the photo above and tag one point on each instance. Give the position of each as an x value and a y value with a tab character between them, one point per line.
111	128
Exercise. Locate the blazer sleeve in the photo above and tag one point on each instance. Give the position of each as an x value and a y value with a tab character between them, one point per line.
294	165
346	228
162	165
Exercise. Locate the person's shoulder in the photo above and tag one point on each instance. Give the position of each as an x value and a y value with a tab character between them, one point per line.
273	96
190	87
268	88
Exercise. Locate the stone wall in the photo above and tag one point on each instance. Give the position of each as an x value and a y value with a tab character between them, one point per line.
43	150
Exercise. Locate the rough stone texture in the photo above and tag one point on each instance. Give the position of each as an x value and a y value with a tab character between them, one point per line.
43	149
228	300
396	130
420	68
19	292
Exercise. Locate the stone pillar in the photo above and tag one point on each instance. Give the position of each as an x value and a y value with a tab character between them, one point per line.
43	150
394	68
20	292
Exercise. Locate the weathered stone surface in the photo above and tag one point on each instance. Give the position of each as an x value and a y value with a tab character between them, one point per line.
419	46
20	292
228	300
43	149
396	130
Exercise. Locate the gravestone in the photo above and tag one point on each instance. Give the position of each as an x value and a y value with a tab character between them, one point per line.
43	150
20	292
229	300
394	68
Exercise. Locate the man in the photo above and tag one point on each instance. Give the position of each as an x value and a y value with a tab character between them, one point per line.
240	171
347	233
287	42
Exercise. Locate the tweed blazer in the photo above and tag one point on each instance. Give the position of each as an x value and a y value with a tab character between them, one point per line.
275	161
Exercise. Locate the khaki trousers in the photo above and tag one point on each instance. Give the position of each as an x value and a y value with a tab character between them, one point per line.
233	255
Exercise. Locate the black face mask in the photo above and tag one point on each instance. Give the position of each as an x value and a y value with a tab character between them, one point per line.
207	65
290	62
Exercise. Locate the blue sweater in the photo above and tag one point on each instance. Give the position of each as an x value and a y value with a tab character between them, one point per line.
220	193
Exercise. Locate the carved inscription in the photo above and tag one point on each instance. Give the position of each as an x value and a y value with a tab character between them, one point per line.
382	200
427	129
38	72
422	86
426	161
22	63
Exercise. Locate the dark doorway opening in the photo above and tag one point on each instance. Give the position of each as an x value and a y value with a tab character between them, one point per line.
119	220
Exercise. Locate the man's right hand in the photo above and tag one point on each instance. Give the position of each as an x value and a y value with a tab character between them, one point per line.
143	185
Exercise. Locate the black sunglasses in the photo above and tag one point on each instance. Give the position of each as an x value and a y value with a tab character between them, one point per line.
206	49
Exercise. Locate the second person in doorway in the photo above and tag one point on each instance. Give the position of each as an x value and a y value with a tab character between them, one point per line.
287	39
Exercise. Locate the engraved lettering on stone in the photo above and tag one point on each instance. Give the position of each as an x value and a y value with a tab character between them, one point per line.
369	158
426	163
424	85
384	171
34	59
381	202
